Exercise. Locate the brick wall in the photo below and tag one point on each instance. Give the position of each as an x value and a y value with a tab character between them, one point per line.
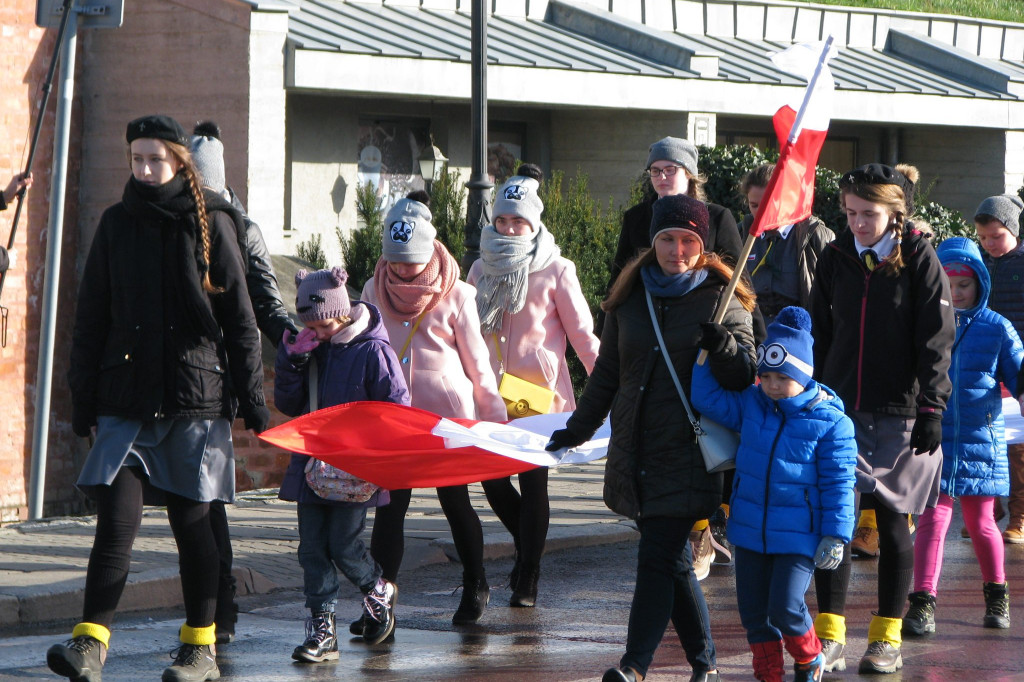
24	58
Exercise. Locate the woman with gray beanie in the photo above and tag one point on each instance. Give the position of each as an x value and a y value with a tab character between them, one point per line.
433	325
530	303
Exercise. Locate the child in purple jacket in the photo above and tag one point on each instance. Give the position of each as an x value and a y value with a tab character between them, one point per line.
348	346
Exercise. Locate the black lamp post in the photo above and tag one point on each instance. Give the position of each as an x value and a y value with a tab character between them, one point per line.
478	202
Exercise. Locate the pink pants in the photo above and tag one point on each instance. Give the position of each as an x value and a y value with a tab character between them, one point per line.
931	536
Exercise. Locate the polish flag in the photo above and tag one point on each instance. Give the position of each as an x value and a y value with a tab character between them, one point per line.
801	132
397	447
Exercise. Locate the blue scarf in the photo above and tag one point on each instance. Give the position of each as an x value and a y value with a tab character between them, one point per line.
669	286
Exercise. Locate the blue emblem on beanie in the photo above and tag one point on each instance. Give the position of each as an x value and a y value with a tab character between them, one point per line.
788	348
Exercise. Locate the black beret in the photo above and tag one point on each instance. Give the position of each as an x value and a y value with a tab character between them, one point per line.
158	127
680	211
880	174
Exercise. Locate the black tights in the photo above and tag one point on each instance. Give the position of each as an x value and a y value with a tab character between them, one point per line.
118	520
895	566
387	542
525	516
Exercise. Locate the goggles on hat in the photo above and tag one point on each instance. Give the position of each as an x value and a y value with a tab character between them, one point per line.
775	355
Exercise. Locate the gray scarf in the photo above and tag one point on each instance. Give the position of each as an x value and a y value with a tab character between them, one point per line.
506	263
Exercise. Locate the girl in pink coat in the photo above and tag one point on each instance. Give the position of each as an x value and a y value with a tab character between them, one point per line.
433	325
530	302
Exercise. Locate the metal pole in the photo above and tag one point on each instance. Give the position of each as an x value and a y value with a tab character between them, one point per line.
51	281
478	202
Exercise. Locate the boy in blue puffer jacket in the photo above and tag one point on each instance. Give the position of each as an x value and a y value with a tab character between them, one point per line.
975	470
792	495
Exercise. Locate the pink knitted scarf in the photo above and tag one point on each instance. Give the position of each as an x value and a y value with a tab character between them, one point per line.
406	300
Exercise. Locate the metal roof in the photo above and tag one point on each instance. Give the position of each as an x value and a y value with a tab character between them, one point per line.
398	31
393	31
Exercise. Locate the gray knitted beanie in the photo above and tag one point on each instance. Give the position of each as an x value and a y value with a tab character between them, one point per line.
1005	208
208	155
408	233
674	149
519	197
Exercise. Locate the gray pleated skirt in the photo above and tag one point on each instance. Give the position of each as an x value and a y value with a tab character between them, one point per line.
193	458
887	467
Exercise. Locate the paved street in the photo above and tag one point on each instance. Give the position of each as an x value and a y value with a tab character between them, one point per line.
576	631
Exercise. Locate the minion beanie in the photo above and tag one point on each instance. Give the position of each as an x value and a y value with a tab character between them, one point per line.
788	347
519	197
322	295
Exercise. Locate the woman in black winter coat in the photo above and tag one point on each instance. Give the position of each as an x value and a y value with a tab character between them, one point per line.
165	350
883	328
655	473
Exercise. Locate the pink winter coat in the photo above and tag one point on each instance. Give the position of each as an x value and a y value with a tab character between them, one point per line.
533	340
447	370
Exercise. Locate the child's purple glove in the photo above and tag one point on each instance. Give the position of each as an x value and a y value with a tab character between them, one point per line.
301	344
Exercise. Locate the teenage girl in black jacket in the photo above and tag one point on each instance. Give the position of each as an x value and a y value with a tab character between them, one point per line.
165	350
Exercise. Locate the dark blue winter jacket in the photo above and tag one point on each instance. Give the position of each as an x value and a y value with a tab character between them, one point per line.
987	351
794	469
366	368
1007	295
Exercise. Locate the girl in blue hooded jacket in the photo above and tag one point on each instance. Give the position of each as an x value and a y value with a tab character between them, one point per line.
792	494
975	470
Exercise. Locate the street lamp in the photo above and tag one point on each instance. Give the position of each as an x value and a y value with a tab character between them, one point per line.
432	162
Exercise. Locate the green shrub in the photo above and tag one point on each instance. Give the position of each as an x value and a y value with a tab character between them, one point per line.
312	251
587	235
361	248
448	206
724	167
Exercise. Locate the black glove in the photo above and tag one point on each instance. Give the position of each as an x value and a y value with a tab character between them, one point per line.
714	338
82	421
927	433
257	418
563	438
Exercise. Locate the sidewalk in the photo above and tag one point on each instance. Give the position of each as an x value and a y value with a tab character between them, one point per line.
43	563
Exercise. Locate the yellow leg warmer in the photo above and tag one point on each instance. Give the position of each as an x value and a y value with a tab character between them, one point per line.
886	630
97	632
700	525
190	635
867	519
830	626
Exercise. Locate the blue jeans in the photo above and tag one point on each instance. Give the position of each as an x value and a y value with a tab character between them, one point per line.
770	592
667	588
329	536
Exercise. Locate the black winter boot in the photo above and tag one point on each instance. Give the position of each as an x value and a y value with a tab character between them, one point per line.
192	663
379	612
920	618
321	639
80	659
524	592
475	595
997	606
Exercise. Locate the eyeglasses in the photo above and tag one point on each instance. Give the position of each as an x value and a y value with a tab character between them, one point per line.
667	171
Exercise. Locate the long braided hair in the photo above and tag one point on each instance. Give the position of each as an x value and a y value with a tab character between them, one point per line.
184	156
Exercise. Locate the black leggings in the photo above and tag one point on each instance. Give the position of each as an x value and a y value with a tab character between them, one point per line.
118	520
895	566
387	541
226	584
525	516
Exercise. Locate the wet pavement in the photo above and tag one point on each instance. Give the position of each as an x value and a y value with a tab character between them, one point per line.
577	630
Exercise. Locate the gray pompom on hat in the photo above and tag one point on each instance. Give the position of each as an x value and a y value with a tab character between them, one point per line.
208	155
1005	208
408	233
519	196
676	150
322	295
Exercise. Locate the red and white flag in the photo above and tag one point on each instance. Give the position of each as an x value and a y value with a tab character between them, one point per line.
397	447
801	131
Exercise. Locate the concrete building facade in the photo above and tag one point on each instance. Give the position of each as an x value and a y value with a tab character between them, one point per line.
314	98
